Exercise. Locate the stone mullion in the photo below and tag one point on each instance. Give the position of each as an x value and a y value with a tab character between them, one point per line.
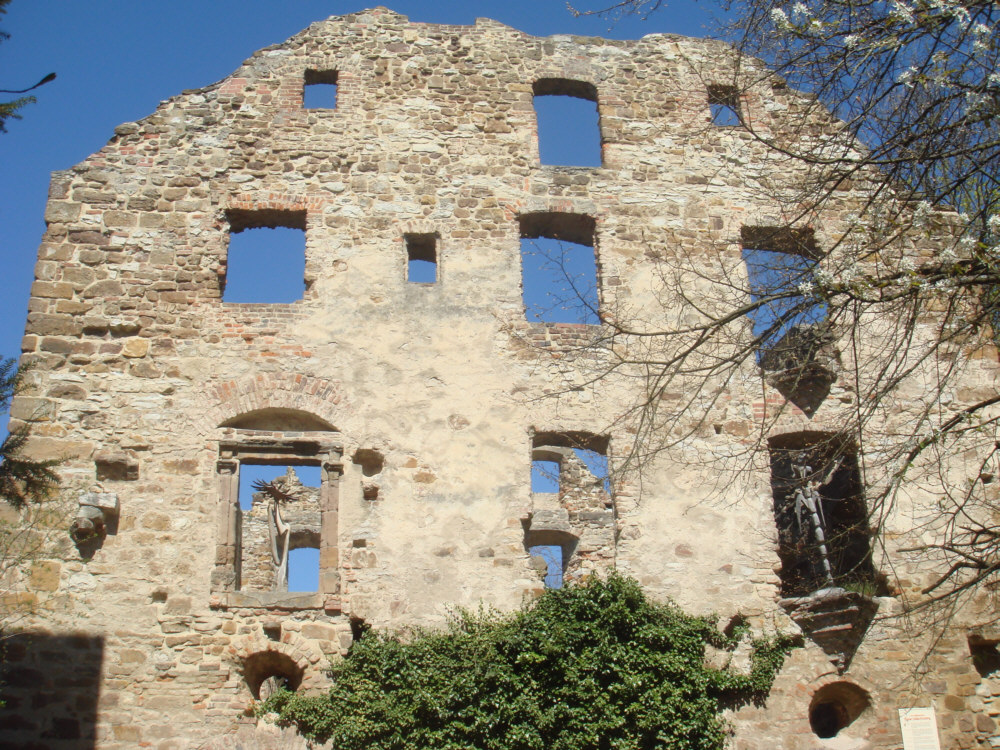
329	557
227	551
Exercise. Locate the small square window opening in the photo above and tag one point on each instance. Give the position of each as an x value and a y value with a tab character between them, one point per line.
320	90
421	258
724	103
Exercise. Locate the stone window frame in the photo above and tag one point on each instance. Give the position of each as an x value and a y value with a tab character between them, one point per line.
258	447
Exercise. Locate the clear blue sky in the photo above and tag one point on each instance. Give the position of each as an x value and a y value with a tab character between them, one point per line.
117	59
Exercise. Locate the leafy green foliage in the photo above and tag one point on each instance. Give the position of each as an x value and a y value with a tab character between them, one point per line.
22	479
594	665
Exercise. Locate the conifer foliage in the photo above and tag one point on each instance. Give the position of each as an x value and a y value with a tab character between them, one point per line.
589	666
22	479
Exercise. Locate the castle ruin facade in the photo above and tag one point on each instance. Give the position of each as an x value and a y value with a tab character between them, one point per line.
421	406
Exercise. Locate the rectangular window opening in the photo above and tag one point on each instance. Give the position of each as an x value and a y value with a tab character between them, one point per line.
569	129
724	104
320	89
559	273
266	259
551	556
421	258
570	461
822	518
781	265
544	475
303	570
279	550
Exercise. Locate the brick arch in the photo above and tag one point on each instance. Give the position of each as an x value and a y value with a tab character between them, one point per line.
275	390
257	649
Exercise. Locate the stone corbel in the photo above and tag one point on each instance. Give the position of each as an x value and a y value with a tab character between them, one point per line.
96	515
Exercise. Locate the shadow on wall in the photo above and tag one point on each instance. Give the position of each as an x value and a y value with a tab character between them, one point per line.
49	686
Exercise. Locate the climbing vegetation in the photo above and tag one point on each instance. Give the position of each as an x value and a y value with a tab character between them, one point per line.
592	665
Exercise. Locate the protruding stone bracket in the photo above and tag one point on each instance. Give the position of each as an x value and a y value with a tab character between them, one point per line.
803	365
96	517
835	619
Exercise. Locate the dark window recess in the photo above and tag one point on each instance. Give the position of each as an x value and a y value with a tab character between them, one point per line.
835	707
421	258
569	129
781	265
559	268
724	103
819	509
985	657
266	260
320	89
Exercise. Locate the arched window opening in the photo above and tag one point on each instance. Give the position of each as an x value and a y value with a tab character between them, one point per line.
569	128
266	259
559	271
267	671
835	707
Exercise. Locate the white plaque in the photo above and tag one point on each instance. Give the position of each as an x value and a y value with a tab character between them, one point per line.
919	727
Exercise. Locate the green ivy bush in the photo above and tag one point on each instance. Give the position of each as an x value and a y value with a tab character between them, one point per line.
590	666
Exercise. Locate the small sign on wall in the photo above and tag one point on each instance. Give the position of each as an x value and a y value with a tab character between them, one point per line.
919	727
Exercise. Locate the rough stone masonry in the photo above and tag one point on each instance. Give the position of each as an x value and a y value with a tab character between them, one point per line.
422	405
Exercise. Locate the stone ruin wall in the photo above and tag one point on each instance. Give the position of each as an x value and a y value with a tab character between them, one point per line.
418	402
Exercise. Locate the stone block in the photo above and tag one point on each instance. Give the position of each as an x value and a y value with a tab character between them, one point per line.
61	211
45	575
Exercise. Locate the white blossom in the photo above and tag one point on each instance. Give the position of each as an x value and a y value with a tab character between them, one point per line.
822	276
779	19
799	10
901	12
993	223
906	265
851	41
806	288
